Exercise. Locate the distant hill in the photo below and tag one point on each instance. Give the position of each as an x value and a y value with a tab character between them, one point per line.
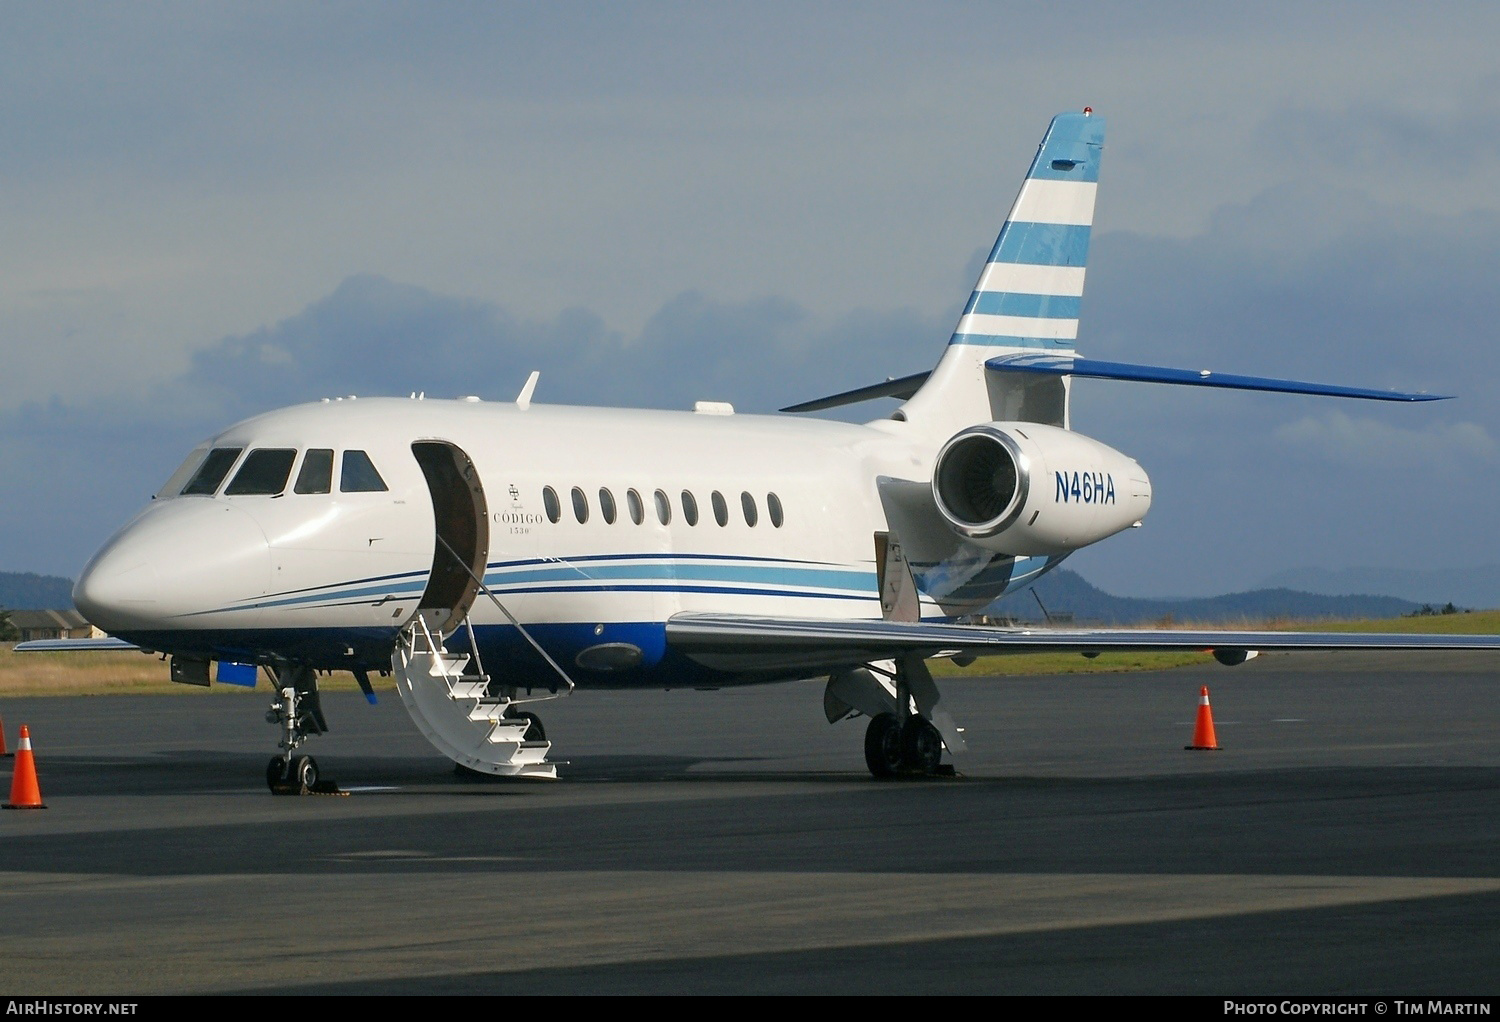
1477	587
1066	592
35	592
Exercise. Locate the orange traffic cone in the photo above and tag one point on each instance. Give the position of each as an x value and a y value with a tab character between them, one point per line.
1203	730
24	793
4	753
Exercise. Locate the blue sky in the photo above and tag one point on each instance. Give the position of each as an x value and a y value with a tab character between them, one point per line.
213	209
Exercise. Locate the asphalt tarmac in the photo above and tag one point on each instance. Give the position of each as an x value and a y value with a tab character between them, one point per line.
1345	841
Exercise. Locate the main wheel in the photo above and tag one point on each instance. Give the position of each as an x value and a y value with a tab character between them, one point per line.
304	773
883	746
921	746
534	733
275	773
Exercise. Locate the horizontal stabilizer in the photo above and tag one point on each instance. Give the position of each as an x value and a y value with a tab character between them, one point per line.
902	388
1067	365
73	645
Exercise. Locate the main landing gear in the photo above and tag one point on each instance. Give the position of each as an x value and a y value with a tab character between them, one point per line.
296	708
908	731
894	747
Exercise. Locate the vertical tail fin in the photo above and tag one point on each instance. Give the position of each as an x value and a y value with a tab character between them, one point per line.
1027	296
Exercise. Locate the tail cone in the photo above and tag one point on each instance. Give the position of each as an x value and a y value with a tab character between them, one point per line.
1203	730
24	792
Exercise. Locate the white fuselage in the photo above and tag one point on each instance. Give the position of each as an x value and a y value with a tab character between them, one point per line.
330	578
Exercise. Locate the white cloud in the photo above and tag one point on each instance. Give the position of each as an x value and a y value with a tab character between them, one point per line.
592	190
1361	442
221	167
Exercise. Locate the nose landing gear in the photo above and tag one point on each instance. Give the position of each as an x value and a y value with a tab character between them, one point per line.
296	708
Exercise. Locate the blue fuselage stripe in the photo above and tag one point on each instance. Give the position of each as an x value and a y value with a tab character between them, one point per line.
777	575
653	573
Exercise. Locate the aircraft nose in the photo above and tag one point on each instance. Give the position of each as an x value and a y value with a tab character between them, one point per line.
180	557
109	587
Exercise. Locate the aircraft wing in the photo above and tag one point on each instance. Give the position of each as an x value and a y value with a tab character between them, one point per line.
73	645
756	644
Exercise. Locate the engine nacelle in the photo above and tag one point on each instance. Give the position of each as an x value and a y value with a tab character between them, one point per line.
1026	488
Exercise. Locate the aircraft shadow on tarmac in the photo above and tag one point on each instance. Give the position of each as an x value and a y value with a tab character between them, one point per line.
192	770
1175	957
1395	821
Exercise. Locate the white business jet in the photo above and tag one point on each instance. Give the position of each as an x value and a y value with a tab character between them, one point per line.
494	554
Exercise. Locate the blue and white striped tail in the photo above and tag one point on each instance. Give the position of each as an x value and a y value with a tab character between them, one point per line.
1027	296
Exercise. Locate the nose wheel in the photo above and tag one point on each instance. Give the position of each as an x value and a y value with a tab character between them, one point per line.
297	710
299	776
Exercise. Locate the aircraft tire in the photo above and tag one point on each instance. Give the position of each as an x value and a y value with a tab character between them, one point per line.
883	753
275	773
304	773
921	746
534	733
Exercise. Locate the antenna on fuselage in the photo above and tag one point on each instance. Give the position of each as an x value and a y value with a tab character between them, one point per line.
523	399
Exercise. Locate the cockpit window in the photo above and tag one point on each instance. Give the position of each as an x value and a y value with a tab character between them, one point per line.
264	472
173	486
359	475
316	475
216	466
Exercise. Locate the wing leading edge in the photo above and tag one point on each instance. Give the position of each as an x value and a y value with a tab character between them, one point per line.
760	644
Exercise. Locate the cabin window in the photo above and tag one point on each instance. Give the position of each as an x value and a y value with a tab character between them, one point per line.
637	509
747	504
264	472
607	505
316	474
663	508
550	502
721	509
773	508
359	475
580	506
173	486
689	508
216	466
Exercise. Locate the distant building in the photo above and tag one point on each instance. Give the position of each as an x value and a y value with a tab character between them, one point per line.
52	624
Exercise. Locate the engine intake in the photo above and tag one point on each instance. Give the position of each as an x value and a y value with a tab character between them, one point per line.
981	482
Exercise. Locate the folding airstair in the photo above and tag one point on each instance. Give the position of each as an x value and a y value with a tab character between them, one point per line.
461	711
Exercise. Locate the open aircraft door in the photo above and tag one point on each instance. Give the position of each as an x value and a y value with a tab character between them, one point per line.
449	695
461	540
